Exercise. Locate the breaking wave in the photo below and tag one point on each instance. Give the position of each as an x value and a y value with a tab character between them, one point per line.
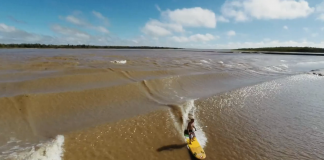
50	150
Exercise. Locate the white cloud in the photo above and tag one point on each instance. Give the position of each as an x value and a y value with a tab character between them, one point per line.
138	39
320	11
76	21
65	35
320	7
83	23
174	21
101	17
320	17
5	28
234	9
69	31
194	38
306	29
101	29
191	17
243	10
314	35
158	8
221	19
180	39
169	26
231	33
156	28
144	41
285	27
10	34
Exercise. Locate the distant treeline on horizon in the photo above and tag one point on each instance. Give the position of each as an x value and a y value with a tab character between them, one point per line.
83	46
286	49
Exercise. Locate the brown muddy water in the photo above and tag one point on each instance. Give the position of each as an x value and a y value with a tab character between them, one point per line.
134	104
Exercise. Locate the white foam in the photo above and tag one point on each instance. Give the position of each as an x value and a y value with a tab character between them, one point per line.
189	110
204	61
279	68
51	150
13	140
119	61
200	134
284	66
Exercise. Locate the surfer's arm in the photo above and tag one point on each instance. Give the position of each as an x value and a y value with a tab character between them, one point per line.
194	128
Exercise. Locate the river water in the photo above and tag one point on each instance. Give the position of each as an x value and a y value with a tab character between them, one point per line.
134	104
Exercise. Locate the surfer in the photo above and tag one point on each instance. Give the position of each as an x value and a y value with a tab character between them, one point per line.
190	128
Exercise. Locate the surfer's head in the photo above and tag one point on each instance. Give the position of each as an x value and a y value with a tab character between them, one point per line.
192	120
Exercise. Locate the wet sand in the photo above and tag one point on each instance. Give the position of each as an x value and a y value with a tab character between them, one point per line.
134	104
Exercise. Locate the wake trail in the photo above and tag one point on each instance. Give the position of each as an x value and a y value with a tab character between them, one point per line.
181	115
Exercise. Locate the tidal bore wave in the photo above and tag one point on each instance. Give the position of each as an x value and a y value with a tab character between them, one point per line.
86	104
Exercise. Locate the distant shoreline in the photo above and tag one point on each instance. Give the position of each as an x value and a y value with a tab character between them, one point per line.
50	46
285	49
303	51
287	53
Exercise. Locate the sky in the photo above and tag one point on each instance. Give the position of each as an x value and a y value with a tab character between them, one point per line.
210	24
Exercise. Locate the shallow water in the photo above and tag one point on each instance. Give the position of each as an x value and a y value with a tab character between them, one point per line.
134	104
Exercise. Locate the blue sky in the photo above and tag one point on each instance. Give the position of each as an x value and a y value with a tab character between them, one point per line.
174	23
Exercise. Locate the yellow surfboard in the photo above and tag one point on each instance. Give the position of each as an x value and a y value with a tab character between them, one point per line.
195	148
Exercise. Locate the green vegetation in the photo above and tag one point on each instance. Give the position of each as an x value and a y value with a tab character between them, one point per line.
286	49
78	46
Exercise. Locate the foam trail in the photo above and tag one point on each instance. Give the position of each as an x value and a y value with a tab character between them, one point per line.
200	134
51	150
188	111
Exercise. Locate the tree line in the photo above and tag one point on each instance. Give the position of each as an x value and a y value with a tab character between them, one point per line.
83	46
286	49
